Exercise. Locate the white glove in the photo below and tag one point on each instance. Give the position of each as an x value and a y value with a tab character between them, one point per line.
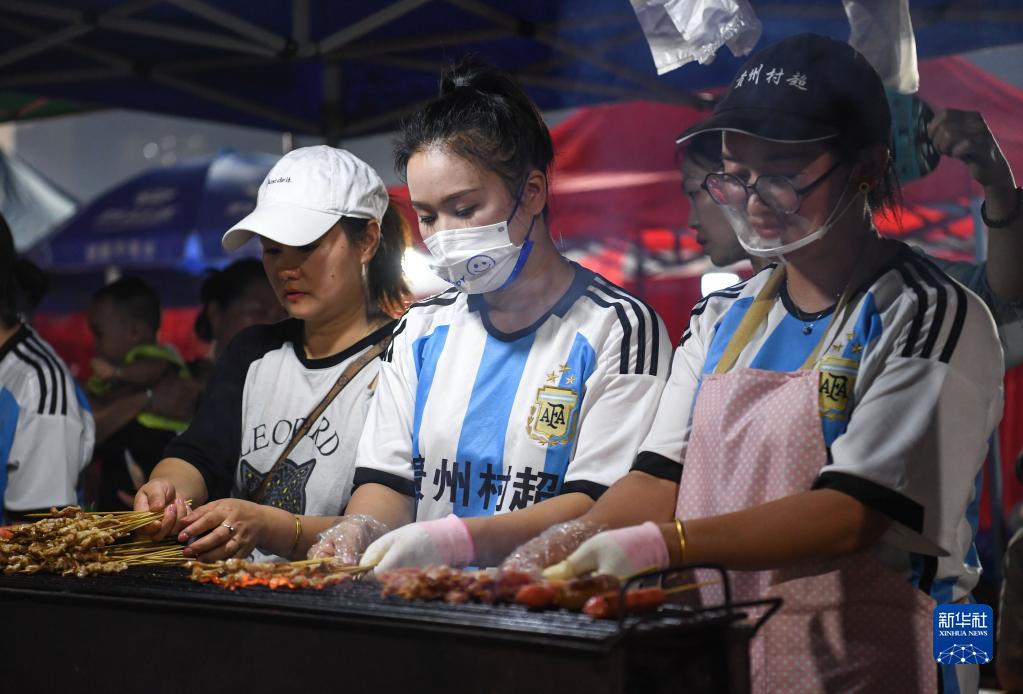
623	553
444	542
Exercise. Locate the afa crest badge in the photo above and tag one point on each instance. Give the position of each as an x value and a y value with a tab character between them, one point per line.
838	376
552	416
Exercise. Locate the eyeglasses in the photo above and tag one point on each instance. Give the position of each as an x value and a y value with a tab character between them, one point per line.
777	192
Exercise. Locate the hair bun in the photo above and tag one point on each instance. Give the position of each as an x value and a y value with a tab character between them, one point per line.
471	73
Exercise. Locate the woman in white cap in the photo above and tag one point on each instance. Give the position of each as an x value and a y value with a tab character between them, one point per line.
268	460
502	398
825	422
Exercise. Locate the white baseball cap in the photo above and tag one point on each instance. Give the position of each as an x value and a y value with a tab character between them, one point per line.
306	193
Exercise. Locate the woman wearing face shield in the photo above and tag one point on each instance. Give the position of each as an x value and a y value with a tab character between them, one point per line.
825	422
503	401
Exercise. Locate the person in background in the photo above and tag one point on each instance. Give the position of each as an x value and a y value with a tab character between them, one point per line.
233	299
46	427
1009	646
697	158
964	135
502	400
269	458
32	285
124	317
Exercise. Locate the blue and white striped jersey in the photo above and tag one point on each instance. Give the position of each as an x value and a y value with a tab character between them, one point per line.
46	426
473	421
910	391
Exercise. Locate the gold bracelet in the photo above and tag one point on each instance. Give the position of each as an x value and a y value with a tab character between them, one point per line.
298	535
681	541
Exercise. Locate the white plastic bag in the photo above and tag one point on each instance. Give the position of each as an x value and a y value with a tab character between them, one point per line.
882	31
681	31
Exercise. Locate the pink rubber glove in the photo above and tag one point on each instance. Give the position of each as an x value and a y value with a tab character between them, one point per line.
444	542
623	553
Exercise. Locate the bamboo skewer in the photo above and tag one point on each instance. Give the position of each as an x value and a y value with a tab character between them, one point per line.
690	586
84	542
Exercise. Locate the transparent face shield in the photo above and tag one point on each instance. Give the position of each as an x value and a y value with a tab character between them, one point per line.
775	227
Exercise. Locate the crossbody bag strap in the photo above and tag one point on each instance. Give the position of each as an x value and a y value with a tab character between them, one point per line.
343	380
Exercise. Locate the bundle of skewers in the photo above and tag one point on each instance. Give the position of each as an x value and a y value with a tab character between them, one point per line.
239	573
71	541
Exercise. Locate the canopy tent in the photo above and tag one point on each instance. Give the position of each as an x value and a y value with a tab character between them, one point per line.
32	204
342	69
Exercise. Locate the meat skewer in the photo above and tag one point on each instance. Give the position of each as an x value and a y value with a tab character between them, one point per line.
570	595
71	541
238	573
606	605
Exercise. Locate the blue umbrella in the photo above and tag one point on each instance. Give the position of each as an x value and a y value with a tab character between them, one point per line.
164	218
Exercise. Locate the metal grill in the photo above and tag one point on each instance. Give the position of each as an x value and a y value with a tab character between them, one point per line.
381	644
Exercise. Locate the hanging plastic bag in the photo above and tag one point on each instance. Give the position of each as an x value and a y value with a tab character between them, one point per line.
882	31
681	31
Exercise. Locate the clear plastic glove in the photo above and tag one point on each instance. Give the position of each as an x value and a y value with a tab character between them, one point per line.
681	31
623	553
444	542
347	539
551	546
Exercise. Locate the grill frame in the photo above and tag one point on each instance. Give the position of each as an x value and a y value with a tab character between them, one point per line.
384	643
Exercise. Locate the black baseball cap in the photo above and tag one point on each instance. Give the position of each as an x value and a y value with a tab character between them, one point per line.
803	89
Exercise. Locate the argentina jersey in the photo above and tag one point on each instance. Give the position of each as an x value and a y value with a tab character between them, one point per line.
46	427
474	421
910	388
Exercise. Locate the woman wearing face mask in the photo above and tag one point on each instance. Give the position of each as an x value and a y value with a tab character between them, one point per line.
501	401
278	423
831	413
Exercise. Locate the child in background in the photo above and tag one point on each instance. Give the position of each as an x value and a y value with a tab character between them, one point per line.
124	317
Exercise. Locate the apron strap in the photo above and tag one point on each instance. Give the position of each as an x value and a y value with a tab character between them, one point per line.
767	295
756	314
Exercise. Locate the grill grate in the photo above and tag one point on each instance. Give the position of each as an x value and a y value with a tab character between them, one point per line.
358	599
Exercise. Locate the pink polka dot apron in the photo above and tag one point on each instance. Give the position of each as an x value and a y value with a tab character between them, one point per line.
846	625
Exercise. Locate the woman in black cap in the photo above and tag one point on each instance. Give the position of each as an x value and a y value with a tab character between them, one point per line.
831	413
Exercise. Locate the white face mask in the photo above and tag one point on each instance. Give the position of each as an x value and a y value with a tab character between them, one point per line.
479	259
757	245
